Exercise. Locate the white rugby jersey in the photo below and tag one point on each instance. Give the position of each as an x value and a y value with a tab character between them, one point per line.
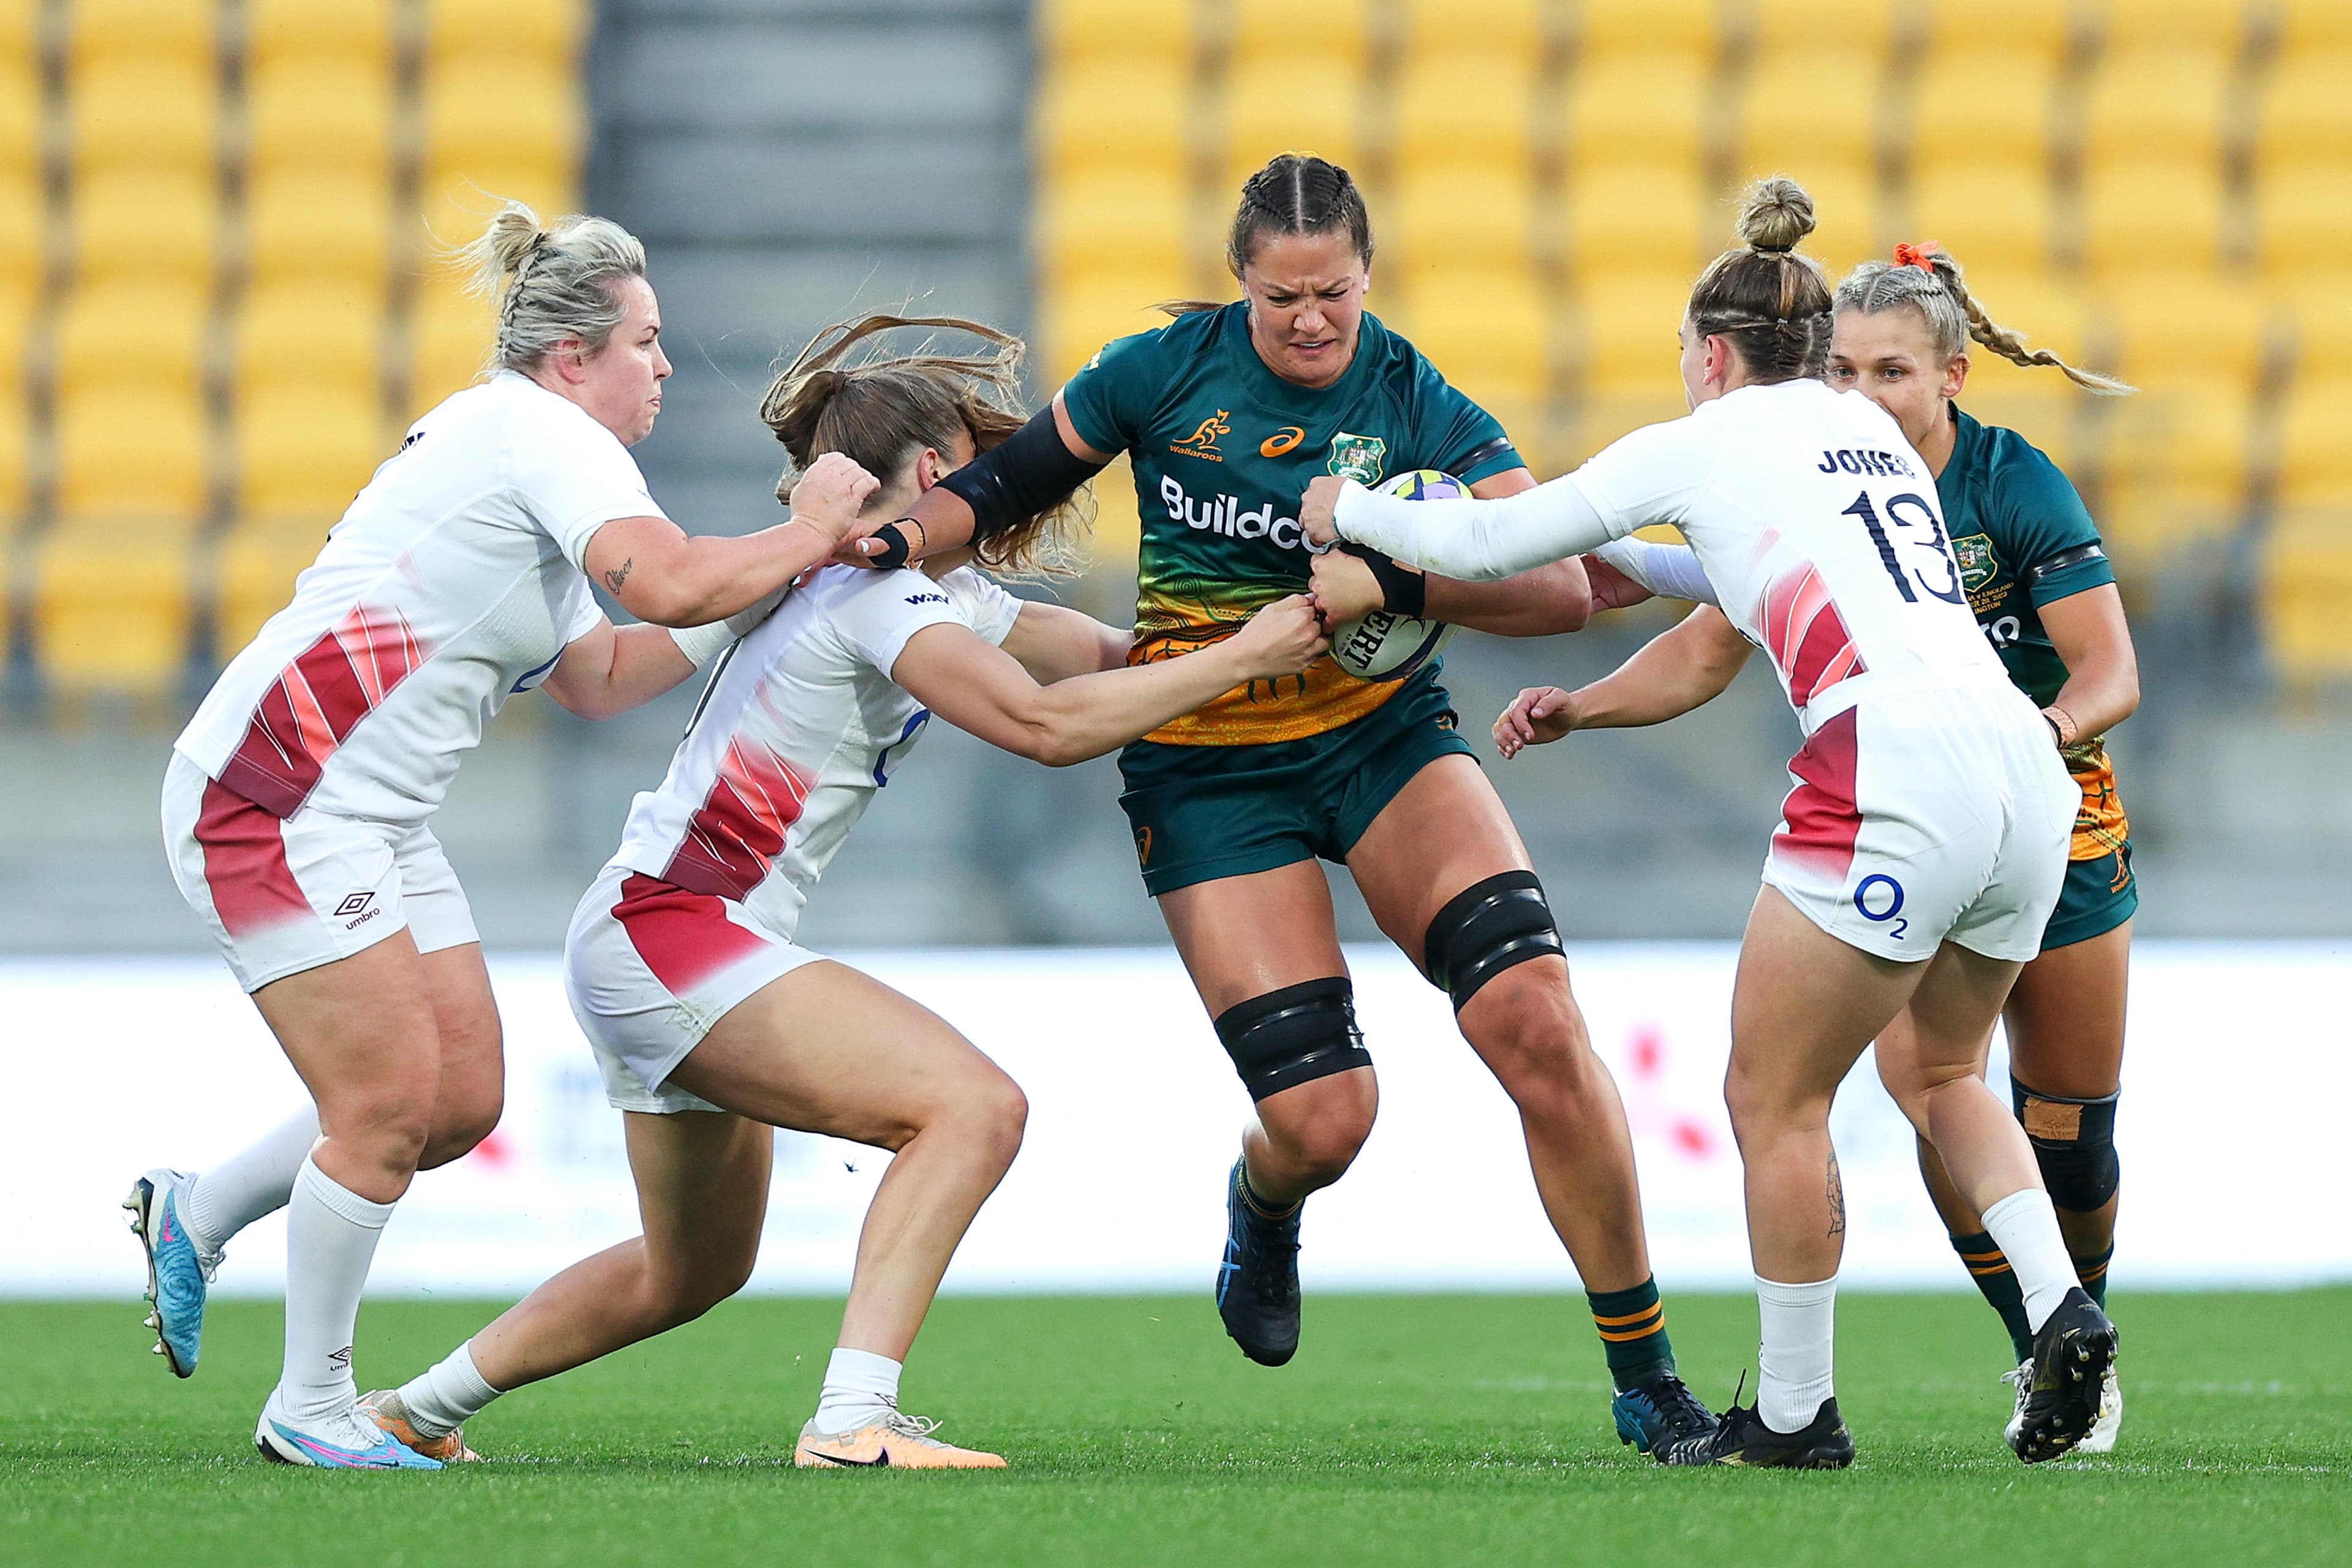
454	581
798	728
1813	518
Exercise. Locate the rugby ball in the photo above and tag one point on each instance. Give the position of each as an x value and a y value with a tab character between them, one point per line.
1384	645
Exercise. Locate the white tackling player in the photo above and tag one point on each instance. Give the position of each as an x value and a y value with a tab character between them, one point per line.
1923	847
297	803
712	1026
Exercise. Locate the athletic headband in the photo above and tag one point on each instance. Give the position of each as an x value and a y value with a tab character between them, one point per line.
1909	255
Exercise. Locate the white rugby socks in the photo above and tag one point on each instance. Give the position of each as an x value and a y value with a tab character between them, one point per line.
2026	1227
1793	1365
444	1398
330	1236
858	1387
256	1180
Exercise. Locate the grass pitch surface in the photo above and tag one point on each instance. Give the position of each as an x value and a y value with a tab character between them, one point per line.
1410	1430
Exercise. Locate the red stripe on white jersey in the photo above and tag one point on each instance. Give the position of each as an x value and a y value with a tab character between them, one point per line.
733	840
1807	636
316	702
252	887
1820	820
684	937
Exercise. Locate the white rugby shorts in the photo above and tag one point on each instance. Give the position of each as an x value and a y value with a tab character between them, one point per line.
1923	816
650	968
281	896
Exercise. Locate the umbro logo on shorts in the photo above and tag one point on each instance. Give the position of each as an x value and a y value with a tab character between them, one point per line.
353	905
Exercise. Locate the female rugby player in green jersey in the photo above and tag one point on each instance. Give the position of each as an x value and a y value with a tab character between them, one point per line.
2043	590
1227	412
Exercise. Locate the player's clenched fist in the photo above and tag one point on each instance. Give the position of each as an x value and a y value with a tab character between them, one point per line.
1315	509
829	494
1283	638
1540	714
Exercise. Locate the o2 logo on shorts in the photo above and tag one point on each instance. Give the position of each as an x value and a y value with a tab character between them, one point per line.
1880	887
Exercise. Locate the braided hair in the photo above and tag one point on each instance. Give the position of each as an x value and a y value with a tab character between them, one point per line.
1296	193
1925	278
1770	301
551	284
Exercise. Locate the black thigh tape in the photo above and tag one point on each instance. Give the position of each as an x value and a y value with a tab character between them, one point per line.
1487	929
1293	1035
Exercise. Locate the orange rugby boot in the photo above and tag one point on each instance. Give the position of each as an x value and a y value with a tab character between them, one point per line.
385	1408
891	1441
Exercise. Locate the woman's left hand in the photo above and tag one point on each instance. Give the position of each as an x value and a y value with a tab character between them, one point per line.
1314	510
1345	588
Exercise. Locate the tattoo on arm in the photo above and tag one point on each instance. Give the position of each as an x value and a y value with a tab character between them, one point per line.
619	574
1837	1198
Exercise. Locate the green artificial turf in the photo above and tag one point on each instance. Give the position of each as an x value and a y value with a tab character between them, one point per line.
1411	1429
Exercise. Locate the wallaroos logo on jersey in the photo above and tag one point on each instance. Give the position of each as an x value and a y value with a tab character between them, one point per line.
1202	441
1357	457
1224	514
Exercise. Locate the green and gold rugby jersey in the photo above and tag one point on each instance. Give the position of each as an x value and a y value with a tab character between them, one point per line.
2024	539
1223	449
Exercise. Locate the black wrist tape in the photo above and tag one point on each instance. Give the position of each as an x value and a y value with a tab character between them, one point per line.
1030	471
1403	592
894	550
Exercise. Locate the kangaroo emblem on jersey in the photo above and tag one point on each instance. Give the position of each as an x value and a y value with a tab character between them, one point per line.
1202	441
1357	457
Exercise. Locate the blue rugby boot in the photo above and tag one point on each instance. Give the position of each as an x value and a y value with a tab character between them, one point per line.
1659	1410
344	1439
1257	1287
178	1272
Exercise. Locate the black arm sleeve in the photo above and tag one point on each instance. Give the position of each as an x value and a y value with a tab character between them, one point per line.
1027	473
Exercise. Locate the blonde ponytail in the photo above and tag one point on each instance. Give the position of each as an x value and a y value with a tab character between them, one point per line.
1925	278
550	284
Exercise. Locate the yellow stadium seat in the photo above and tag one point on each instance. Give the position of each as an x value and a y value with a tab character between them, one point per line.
2316	325
1082	317
2037	405
1457	106
111	610
1444	216
2045	311
22	248
501	114
1297	32
1625	215
1651	106
16	432
2182	447
20	117
2314	443
1802	105
253	576
2155	103
1513	29
2307	596
341	32
1110	218
1486	330
551	30
164	226
2303	219
1114	114
150	115
1072	31
2041	26
313	224
310	333
2141	216
20	32
2193	327
2306	111
101	30
1286	105
1605	417
131	451
1864	25
1992	213
2312	25
304	113
1678	27
449	337
304	451
1845	207
132	333
1626	326
2219	26
1977	108
457	206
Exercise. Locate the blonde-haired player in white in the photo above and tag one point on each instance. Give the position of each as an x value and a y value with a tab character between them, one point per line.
712	1026
298	805
1923	847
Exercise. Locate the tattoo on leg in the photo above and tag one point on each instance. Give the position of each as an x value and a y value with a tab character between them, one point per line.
619	574
1837	1199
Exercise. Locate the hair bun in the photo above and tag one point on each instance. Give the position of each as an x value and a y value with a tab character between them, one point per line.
1775	215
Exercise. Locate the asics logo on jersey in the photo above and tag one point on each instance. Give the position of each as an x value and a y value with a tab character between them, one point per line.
1282	442
1886	465
1224	514
1202	441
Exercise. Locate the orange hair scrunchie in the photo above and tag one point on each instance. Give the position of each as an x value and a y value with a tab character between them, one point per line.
1909	255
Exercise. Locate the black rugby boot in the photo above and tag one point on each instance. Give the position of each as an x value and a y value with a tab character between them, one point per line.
2071	1353
1257	1287
1742	1438
1658	1410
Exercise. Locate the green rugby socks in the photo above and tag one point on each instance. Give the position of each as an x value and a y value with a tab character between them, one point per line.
1632	1325
1991	1270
